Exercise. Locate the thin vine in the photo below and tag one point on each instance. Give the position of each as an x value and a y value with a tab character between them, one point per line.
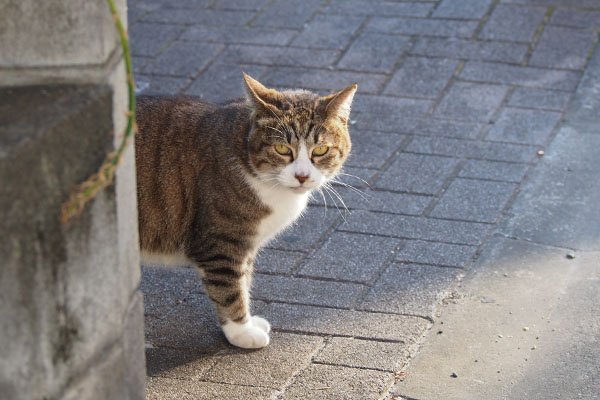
105	176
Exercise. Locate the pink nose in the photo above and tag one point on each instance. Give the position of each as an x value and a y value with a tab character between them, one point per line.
301	178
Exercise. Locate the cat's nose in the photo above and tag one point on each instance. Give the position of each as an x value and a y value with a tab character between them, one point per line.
301	178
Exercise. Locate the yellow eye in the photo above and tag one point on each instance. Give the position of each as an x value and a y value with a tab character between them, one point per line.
283	150
320	151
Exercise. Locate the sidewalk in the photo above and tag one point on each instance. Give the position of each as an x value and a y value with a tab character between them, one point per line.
456	98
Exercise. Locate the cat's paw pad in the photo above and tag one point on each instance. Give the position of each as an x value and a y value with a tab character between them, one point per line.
251	335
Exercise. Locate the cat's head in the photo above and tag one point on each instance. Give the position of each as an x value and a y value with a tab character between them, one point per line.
298	140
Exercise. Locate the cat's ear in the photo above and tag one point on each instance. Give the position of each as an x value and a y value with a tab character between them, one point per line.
338	104
259	96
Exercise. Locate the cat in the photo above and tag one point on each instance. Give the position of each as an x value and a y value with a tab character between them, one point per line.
216	183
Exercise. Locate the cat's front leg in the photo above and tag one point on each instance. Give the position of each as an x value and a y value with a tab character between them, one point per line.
228	286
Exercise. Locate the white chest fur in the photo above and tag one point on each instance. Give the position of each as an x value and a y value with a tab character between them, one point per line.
286	207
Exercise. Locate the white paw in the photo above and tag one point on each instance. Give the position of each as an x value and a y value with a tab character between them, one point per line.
254	334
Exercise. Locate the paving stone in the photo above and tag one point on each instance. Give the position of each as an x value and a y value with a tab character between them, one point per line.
391	105
557	3
440	254
163	286
191	364
410	289
576	18
359	353
472	149
148	39
184	59
134	13
474	200
419	126
385	8
524	126
417	173
307	231
421	77
421	26
374	52
306	291
339	383
396	203
139	63
320	80
494	170
409	227
464	9
240	4
287	14
539	98
513	23
221	82
372	149
328	31
561	47
349	256
198	16
169	85
471	101
277	261
288	352
331	321
470	49
159	388
280	56
520	76
230	34
178	4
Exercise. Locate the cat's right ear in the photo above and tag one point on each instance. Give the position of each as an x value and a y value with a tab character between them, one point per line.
259	96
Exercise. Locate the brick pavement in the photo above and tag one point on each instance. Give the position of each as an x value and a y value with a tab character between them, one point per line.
455	99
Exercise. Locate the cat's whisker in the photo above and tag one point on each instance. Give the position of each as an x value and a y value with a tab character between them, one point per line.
356	177
330	189
334	203
361	193
320	190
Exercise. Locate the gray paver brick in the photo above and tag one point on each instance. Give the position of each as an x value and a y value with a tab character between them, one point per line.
562	47
421	77
220	82
474	200
420	126
330	321
230	34
240	4
337	383
277	261
198	16
471	101
287	14
374	52
363	353
328	31
162	287
159	388
470	49
524	126
472	149
576	18
409	227
417	173
372	149
349	257
161	84
494	170
520	76
176	363
539	98
184	59
410	289
148	39
288	352
306	291
474	9
286	56
305	234
422	26
384	8
391	105
557	3
441	254
322	80
514	23
139	63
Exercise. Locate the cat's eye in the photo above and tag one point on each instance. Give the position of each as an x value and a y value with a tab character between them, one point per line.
320	151
283	150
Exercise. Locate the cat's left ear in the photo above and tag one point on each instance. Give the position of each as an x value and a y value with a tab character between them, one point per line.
338	104
260	96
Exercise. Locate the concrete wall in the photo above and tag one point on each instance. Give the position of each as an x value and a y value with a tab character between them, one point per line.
71	316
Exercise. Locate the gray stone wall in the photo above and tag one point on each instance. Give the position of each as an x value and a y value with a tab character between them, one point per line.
71	315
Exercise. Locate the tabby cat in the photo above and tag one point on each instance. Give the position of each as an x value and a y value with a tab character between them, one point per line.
215	183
